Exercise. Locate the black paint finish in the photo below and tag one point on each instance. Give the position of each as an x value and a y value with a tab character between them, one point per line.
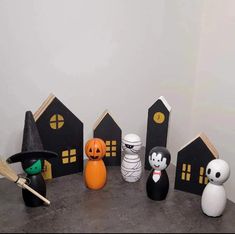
197	154
159	190
37	183
109	130
32	151
156	133
69	136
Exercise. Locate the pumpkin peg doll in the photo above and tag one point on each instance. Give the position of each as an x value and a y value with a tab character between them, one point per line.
95	170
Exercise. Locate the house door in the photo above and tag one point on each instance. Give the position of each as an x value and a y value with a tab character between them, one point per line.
47	173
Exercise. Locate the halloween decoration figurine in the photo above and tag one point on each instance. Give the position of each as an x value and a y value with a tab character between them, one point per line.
158	183
32	159
192	161
11	175
62	132
108	130
95	170
214	197
131	167
157	127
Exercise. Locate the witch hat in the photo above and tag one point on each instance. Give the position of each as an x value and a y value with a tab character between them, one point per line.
32	147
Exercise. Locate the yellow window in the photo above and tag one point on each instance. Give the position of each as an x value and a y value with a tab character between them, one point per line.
202	177
73	152
186	172
65	153
56	121
159	117
69	156
111	148
73	159
65	160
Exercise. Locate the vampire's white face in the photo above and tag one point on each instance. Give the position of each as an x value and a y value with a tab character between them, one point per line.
218	171
157	161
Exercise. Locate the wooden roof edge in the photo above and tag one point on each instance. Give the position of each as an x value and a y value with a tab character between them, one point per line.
44	106
98	121
167	105
207	142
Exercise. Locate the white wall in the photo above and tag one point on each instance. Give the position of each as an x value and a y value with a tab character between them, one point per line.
115	54
214	99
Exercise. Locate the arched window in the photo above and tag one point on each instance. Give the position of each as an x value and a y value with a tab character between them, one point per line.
57	121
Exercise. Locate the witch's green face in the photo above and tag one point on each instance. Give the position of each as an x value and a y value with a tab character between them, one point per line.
35	168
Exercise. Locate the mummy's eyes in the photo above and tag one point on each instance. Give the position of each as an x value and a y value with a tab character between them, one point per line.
129	146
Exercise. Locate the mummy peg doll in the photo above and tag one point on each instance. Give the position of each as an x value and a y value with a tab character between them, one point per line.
214	197
158	183
131	167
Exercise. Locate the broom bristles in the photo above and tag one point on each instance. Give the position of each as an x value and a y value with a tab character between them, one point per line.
7	172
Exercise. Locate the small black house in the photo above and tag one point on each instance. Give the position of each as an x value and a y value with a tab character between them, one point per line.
108	130
157	129
191	166
62	132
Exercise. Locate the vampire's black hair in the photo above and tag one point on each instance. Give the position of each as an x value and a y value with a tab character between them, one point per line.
163	151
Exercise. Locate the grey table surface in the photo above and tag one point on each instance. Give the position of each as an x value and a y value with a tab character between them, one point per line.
118	207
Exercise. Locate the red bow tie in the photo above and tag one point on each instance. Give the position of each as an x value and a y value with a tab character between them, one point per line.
157	173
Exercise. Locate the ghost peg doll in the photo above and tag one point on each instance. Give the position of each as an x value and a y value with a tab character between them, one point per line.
214	197
158	183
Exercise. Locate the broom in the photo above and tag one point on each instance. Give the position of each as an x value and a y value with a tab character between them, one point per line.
9	174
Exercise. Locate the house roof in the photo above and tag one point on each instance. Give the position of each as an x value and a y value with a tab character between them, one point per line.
99	120
206	141
164	101
44	106
47	103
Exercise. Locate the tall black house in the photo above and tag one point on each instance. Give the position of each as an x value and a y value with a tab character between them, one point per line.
191	166
108	130
157	127
62	132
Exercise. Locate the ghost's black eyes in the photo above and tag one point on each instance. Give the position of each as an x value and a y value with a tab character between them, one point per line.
217	175
209	171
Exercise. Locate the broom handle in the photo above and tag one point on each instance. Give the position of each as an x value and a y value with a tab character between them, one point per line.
36	193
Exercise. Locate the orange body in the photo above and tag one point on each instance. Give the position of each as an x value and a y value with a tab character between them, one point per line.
95	171
95	174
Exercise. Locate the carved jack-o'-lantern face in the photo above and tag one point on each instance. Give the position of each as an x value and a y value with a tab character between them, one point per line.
95	149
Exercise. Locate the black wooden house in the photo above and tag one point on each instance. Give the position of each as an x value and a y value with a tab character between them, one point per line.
109	131
62	132
192	161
